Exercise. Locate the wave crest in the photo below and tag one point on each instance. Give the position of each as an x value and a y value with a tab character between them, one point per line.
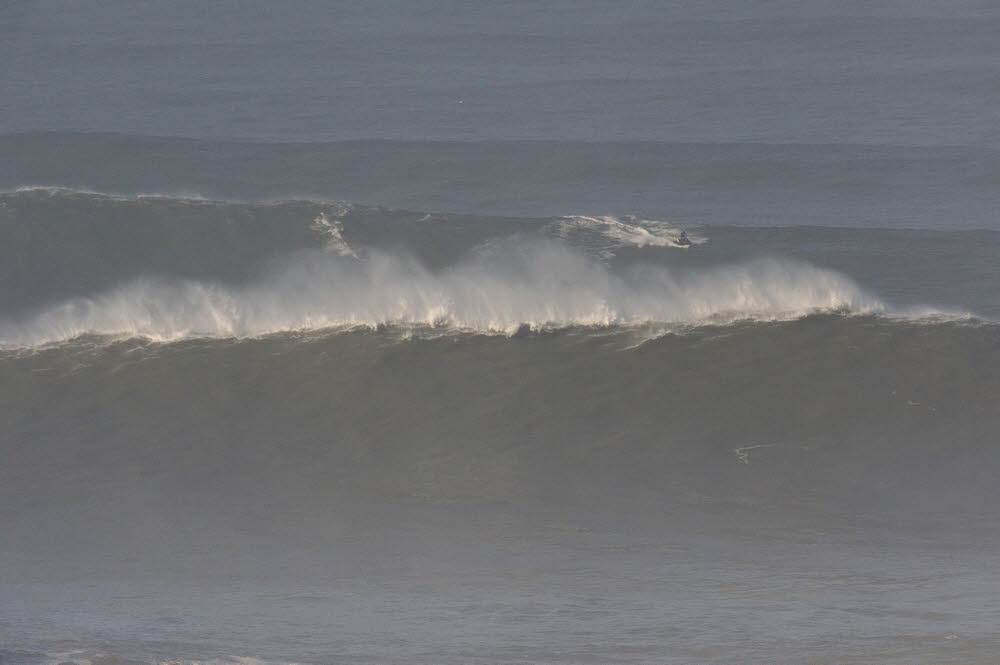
539	285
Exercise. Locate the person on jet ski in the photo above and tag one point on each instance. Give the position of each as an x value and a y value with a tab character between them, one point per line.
684	240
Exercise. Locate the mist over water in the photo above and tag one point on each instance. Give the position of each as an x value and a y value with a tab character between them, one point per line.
502	333
537	286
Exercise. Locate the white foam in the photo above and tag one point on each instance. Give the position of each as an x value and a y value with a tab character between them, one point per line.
603	235
333	231
541	285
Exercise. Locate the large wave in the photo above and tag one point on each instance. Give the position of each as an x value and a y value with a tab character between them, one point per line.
537	284
168	268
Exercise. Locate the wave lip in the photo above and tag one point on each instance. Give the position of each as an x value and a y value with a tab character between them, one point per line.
538	285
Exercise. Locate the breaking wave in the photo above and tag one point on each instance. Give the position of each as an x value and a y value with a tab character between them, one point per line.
538	285
316	460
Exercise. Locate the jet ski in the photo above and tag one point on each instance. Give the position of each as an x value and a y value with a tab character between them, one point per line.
683	240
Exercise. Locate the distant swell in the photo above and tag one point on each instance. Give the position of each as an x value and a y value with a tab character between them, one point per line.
540	285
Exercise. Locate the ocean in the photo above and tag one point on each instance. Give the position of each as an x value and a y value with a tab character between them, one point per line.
661	333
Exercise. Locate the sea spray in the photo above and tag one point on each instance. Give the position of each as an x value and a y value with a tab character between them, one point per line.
538	284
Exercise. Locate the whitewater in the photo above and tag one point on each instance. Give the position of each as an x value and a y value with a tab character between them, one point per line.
544	274
536	287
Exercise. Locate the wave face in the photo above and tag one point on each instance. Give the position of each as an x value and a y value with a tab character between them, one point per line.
360	480
287	429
